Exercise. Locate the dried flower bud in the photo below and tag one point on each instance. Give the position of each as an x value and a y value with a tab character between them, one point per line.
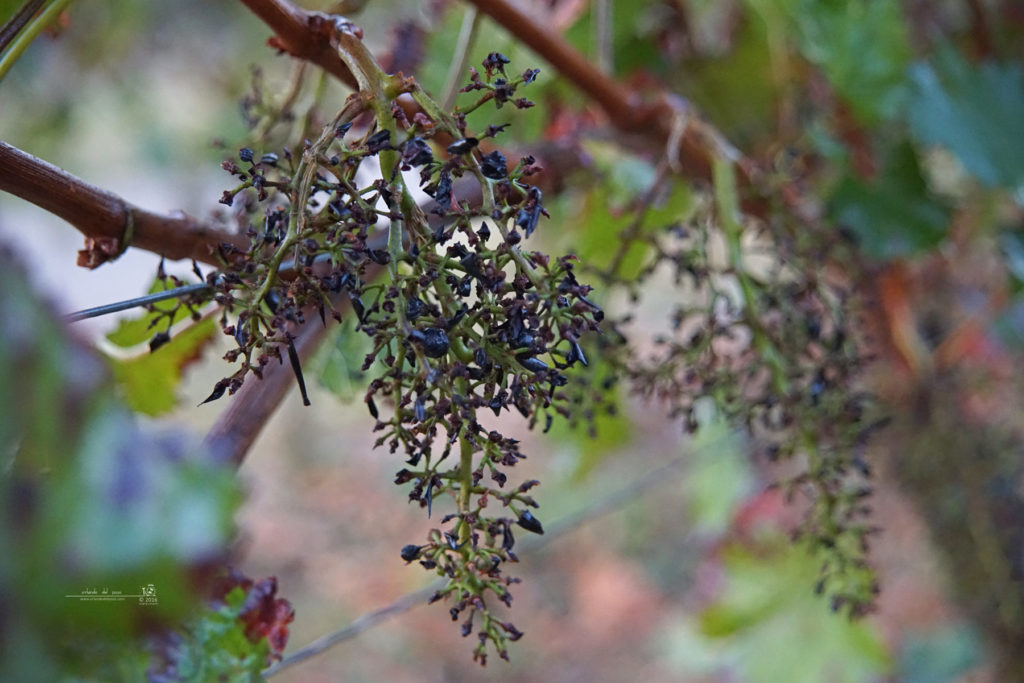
414	308
158	340
416	152
532	364
462	146
218	391
494	166
495	61
530	523
378	141
411	552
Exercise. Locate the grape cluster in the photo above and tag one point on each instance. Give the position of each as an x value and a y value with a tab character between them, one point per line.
773	345
463	321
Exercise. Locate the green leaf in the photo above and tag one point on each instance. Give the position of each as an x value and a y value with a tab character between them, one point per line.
625	178
862	47
634	29
134	331
338	364
975	111
719	478
598	217
217	649
149	382
776	629
599	232
142	503
742	75
894	216
242	629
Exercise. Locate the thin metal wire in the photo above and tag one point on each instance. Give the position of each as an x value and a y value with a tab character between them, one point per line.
175	293
375	242
612	502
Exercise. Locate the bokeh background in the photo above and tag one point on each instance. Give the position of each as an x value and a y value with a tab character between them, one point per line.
683	575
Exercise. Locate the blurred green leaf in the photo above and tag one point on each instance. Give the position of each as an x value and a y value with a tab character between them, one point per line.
689	651
149	382
895	215
862	47
610	431
719	478
437	57
975	111
737	90
598	231
145	496
1012	244
628	179
600	214
338	363
776	627
90	499
633	27
241	630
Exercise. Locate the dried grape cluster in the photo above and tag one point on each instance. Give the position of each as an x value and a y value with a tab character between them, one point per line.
463	322
765	332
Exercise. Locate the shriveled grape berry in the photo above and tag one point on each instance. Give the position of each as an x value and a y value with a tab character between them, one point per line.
416	152
435	342
530	523
533	364
494	166
158	340
414	308
378	141
462	146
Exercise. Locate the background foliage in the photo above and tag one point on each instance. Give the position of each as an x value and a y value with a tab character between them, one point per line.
896	124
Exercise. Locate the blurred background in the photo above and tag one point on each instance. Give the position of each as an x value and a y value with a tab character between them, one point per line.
686	574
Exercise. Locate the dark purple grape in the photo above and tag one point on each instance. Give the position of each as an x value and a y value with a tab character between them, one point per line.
530	523
378	141
434	341
494	166
462	146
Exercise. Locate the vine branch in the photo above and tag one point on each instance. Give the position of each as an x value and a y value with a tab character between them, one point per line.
247	414
307	35
18	21
699	143
302	34
109	222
